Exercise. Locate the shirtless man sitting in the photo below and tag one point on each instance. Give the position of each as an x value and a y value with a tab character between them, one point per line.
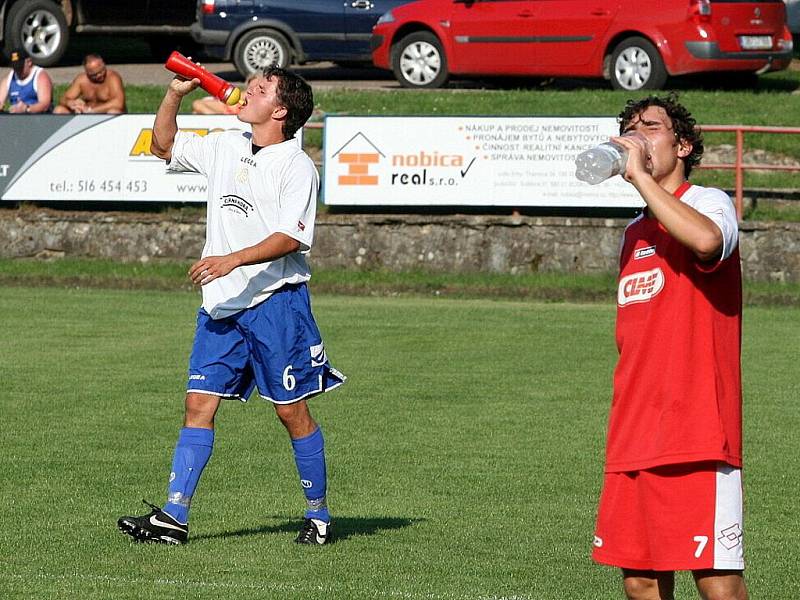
97	90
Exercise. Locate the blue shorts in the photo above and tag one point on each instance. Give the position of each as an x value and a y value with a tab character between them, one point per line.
274	345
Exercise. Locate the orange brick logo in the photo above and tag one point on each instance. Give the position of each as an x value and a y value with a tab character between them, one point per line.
357	155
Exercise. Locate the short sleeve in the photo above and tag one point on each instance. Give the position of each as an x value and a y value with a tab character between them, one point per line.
718	206
297	200
192	152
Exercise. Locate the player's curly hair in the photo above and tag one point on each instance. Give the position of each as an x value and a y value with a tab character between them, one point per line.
683	124
296	95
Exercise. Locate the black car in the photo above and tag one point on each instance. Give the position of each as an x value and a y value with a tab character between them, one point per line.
254	34
43	27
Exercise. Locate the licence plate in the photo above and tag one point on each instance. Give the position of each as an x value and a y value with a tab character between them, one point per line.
755	42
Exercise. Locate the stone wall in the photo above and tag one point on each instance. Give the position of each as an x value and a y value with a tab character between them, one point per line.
519	244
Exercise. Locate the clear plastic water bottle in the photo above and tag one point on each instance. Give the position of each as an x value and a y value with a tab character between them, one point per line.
601	162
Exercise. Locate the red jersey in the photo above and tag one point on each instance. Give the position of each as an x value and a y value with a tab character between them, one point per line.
677	385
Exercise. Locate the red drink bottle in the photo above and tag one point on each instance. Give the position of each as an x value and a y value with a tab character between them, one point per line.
217	87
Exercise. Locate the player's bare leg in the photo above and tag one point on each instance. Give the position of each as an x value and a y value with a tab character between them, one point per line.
648	585
720	585
296	418
309	456
200	410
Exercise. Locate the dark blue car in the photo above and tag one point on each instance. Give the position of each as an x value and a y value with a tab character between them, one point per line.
254	34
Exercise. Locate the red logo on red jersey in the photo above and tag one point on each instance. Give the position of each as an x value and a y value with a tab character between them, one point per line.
640	287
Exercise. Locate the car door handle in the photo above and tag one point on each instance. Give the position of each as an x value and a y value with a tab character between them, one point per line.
525	14
600	12
362	4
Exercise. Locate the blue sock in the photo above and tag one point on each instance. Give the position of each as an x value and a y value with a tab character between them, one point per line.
191	455
309	456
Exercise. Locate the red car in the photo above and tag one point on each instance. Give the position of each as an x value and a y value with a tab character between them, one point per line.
634	44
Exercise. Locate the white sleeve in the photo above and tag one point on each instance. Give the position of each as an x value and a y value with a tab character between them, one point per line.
192	152
297	200
718	206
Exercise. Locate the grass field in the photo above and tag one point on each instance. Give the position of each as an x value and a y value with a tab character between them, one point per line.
464	453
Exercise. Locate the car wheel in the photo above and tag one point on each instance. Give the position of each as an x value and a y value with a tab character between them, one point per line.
637	65
41	28
260	49
418	61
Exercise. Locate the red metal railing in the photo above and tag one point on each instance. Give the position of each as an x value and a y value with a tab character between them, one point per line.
739	166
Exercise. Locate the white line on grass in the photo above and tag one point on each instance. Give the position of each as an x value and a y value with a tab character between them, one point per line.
262	587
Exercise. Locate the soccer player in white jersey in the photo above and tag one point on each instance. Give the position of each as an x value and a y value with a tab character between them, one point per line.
672	489
255	327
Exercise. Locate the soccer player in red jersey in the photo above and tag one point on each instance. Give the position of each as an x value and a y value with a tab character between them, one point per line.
672	490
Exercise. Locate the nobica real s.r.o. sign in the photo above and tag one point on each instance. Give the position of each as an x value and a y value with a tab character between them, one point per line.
466	161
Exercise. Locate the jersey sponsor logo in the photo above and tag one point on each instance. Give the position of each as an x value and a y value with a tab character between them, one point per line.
197	377
644	252
640	287
730	537
318	357
236	203
248	160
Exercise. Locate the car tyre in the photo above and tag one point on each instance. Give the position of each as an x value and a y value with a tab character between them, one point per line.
41	28
637	65
260	49
418	61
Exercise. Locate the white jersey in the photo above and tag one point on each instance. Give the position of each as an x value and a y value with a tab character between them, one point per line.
250	197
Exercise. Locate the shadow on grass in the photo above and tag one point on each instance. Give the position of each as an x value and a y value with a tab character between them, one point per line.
343	527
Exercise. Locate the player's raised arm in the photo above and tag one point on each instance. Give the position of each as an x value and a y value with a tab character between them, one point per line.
690	227
166	124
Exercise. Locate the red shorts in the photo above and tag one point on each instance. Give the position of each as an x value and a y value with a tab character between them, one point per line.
680	517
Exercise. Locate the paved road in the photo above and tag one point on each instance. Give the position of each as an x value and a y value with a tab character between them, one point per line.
321	75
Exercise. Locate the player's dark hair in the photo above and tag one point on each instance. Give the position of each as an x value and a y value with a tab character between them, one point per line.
295	94
683	124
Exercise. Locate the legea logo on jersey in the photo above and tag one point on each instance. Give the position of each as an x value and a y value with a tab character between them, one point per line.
640	287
